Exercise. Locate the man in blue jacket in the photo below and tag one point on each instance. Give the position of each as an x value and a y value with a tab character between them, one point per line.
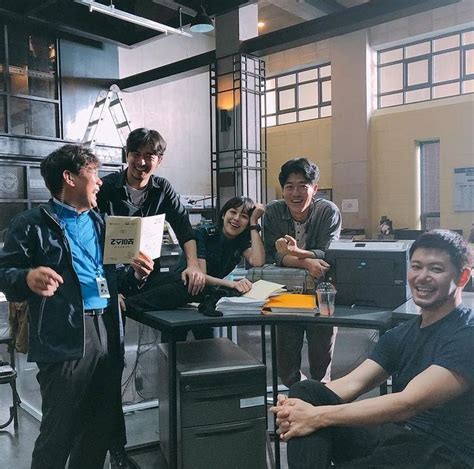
52	258
428	419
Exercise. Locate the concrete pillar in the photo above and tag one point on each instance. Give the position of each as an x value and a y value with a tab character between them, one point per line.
351	110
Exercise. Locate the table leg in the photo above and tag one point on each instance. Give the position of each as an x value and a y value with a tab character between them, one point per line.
275	391
173	403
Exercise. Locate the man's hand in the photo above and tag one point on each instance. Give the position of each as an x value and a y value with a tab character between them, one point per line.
294	417
122	305
287	245
316	267
142	265
243	285
257	213
194	278
43	281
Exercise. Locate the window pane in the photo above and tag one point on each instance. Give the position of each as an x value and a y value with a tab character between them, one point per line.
325	71
287	80
287	118
32	64
417	72
3	115
225	82
391	78
308	95
308	75
271	121
417	49
391	55
441	91
417	95
2	59
326	111
308	114
391	100
429	172
446	66
468	86
468	37
446	43
33	117
469	62
326	91
271	102
270	84
286	99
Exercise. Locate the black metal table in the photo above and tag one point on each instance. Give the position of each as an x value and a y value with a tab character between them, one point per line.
173	321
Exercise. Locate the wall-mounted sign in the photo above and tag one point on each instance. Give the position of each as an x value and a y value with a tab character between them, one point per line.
350	205
464	189
8	182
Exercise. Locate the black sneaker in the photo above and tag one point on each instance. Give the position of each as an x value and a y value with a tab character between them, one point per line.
119	459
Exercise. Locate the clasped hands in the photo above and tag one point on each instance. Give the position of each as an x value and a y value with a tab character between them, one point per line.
294	417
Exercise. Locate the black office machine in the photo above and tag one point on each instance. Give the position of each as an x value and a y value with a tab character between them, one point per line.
221	406
369	273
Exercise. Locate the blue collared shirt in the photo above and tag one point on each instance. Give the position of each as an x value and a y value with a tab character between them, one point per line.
86	251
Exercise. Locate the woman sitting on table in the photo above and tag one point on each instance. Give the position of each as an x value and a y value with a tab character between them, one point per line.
219	250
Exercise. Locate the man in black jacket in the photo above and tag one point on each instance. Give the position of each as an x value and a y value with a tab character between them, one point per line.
52	258
137	192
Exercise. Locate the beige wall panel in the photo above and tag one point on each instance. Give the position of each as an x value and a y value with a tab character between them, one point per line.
394	160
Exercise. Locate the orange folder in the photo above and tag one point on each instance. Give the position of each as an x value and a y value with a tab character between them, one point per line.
288	303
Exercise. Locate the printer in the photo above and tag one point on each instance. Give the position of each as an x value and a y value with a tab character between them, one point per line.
369	273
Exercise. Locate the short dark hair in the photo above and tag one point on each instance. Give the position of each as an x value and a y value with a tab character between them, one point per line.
248	206
67	158
145	137
307	168
448	241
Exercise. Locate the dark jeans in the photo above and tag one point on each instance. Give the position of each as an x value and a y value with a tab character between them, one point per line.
321	342
371	447
78	397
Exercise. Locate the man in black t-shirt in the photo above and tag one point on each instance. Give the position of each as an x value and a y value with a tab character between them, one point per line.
428	419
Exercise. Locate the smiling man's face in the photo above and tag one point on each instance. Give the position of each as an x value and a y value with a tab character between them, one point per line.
432	278
141	165
297	194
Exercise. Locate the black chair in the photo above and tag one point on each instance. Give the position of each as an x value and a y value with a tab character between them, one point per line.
9	377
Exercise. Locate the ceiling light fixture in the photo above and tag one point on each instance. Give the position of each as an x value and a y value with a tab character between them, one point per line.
201	23
260	24
125	16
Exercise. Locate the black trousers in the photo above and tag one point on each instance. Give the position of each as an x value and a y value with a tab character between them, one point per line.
78	397
371	447
167	291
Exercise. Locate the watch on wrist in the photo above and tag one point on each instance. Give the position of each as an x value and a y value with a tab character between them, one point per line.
257	227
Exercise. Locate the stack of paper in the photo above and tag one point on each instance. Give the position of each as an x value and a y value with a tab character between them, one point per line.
291	303
232	305
250	302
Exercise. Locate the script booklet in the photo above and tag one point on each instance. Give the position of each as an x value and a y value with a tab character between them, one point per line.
126	236
291	304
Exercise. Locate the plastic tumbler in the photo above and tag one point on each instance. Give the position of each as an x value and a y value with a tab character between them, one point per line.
326	294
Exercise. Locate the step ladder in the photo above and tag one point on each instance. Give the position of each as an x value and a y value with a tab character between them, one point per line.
113	101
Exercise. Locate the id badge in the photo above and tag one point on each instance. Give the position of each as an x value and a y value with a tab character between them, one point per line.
102	287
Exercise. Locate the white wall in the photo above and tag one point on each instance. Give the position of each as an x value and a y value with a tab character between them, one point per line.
178	110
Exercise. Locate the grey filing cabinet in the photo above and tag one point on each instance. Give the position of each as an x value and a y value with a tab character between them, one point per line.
221	406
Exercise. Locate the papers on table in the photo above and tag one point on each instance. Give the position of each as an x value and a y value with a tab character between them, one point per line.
125	236
262	289
233	305
250	302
